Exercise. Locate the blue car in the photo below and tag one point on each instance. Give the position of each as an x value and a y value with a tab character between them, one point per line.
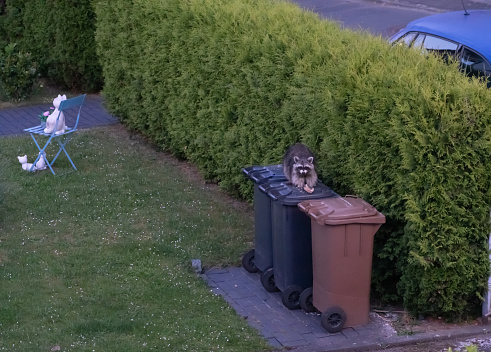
464	35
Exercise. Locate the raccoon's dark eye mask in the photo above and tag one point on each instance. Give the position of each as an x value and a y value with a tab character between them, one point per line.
303	169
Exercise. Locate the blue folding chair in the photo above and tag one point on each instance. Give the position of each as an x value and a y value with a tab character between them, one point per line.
66	106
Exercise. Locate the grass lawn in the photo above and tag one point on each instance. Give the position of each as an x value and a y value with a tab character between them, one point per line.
100	259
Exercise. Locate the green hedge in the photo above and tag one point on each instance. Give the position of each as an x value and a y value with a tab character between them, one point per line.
60	37
17	73
232	83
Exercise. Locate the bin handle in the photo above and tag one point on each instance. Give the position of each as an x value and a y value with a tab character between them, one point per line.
319	216
307	206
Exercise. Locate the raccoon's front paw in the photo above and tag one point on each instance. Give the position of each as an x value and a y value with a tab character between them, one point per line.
298	184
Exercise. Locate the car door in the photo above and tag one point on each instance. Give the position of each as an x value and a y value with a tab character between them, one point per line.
475	65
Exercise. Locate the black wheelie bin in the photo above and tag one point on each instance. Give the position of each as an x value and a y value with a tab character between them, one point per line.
261	257
292	243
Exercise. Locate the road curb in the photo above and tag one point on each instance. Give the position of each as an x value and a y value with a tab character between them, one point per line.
436	6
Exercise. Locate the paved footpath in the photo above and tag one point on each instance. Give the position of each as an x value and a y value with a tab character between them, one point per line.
302	332
14	120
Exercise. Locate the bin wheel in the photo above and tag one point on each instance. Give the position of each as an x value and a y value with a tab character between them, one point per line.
333	319
291	297
306	301
249	263
267	279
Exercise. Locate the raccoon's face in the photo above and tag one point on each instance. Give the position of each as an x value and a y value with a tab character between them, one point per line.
303	166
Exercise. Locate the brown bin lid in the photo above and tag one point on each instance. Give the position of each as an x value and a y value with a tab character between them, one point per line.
342	210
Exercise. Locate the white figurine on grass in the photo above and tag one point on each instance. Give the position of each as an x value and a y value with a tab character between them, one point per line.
40	165
51	120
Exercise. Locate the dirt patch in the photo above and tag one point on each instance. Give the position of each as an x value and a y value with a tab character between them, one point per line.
397	322
404	324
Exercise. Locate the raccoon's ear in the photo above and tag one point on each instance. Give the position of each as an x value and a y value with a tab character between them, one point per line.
295	159
310	159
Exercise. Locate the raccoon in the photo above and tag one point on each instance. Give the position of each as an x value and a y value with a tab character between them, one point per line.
299	167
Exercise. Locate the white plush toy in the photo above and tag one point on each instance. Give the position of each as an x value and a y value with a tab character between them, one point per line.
51	120
25	165
40	165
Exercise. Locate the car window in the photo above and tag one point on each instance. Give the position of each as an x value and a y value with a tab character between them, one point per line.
418	42
407	39
475	65
439	46
429	43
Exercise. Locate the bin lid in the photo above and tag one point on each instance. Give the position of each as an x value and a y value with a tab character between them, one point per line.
267	173
342	210
288	194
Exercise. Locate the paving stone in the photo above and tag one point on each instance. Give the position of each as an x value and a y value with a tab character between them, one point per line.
239	272
273	306
258	310
214	271
245	302
323	333
266	333
284	338
310	338
350	333
280	321
219	277
334	339
256	324
295	343
270	326
226	285
312	322
240	293
273	342
262	294
302	328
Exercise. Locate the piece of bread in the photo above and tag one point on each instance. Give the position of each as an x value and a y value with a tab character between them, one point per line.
308	189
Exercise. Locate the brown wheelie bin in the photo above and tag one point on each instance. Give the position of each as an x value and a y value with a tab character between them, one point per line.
342	247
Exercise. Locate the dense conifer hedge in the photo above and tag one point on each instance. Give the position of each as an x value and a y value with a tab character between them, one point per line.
59	35
232	83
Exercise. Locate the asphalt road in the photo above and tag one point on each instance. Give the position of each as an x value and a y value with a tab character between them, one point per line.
376	17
